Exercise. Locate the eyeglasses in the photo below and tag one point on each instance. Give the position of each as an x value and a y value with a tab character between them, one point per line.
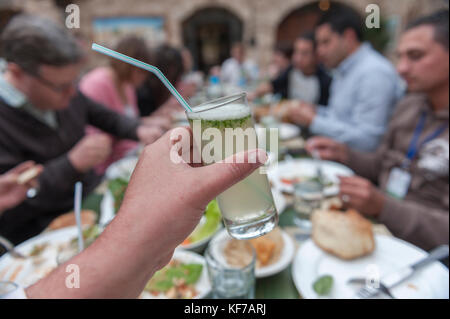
58	88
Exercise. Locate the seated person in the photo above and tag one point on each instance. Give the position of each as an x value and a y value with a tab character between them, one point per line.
237	70
365	85
115	86
304	80
153	97
43	118
411	165
281	60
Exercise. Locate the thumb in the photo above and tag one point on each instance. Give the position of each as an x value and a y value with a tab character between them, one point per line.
222	175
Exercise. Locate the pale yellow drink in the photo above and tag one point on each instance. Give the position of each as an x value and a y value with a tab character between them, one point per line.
227	128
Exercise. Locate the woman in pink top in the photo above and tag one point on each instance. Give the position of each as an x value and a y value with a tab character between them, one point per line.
115	86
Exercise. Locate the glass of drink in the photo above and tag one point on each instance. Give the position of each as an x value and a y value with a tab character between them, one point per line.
221	128
308	197
230	281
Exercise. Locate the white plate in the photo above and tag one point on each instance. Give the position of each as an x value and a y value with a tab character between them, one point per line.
203	285
107	212
287	254
306	167
122	168
390	254
288	131
28	271
279	201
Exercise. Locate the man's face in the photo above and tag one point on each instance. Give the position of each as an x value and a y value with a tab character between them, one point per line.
304	57
53	87
331	46
238	53
422	62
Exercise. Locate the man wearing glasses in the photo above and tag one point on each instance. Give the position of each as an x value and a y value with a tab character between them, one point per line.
43	118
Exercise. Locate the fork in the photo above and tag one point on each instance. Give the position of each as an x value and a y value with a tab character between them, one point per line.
369	291
10	248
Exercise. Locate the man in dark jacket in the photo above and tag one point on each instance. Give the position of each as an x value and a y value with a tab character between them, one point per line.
43	118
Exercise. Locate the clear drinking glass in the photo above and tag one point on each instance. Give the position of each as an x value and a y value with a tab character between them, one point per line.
221	128
308	197
230	282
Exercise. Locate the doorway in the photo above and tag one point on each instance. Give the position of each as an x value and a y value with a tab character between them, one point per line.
209	34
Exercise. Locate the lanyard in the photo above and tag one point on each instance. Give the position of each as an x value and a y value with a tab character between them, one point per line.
414	145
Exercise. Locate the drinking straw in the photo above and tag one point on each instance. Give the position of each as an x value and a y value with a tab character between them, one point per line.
145	66
77	204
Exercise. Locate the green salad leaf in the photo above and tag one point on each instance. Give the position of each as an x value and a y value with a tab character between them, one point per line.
213	218
322	286
165	278
117	188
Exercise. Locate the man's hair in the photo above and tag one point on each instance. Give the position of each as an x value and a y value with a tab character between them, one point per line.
439	22
340	18
285	49
31	41
309	36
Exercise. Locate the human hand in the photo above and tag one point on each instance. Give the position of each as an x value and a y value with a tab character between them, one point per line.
302	113
327	149
163	203
12	193
90	151
170	197
359	193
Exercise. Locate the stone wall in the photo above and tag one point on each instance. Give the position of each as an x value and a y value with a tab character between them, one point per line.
261	18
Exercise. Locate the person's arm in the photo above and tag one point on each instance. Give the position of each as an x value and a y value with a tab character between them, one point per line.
418	224
374	102
364	164
142	237
108	120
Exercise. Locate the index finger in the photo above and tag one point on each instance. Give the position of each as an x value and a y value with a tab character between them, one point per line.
21	167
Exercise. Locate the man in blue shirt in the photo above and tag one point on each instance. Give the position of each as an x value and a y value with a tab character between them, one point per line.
365	85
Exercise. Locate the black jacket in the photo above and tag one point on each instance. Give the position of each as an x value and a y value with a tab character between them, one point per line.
281	84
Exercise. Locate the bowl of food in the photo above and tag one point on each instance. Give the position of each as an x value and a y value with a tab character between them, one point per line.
209	225
274	251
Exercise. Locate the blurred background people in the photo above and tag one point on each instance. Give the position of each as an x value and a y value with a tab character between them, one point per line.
365	85
411	165
43	118
281	60
238	70
191	76
304	79
153	96
114	86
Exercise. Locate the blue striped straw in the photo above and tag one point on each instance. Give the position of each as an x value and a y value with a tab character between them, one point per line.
145	66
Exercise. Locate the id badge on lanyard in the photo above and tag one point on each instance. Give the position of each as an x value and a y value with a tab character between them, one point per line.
398	183
400	178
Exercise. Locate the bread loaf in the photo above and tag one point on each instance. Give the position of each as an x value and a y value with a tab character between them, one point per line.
346	235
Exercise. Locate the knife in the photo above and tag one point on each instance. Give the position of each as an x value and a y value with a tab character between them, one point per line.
391	280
